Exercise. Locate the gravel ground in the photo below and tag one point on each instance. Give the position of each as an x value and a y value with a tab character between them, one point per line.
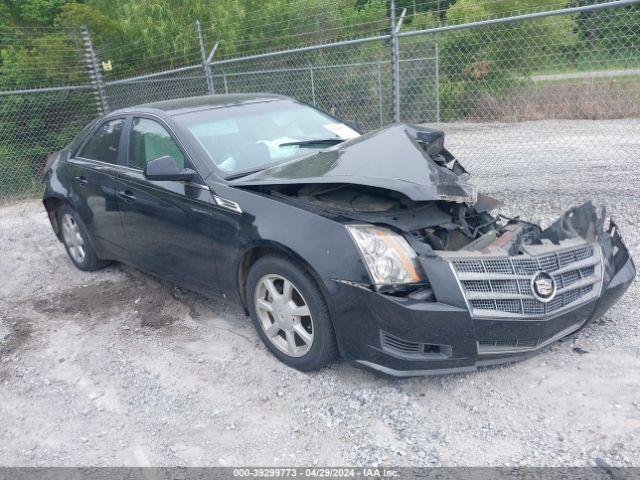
116	368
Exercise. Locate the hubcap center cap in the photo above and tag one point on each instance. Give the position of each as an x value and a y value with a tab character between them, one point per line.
282	315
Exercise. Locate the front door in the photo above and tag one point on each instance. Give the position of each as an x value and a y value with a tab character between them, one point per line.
93	171
167	223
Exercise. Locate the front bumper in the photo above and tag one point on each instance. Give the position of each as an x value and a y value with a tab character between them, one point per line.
402	337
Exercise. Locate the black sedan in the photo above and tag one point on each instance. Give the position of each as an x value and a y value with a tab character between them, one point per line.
375	247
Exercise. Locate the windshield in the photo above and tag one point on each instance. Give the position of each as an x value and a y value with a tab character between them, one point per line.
253	136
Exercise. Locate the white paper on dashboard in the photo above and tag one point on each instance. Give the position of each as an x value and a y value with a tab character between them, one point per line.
342	130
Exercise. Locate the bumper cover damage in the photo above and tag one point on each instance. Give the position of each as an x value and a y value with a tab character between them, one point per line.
485	308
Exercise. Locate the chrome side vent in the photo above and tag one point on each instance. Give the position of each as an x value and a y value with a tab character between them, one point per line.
227	204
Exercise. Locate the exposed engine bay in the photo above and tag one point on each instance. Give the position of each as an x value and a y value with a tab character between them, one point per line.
440	225
446	214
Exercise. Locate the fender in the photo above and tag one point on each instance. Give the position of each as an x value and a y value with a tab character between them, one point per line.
325	245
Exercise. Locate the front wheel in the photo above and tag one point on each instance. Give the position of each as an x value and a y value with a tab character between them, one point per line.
290	314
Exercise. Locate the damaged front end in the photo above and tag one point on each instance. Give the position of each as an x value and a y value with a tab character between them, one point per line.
496	290
541	275
452	286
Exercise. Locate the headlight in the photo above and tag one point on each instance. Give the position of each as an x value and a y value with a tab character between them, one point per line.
388	257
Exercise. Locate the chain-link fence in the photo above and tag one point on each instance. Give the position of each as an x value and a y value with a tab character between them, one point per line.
350	80
546	76
37	121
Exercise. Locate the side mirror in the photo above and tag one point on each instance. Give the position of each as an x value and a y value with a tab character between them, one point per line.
166	168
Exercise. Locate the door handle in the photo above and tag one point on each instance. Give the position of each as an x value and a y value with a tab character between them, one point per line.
82	181
127	196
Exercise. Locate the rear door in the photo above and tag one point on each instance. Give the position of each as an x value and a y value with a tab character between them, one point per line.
93	170
167	223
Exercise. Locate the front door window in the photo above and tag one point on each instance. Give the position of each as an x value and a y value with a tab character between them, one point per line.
150	140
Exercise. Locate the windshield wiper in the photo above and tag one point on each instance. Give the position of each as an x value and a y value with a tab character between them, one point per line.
318	141
301	143
235	176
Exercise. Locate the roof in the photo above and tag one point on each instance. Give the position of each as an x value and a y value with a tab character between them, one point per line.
183	105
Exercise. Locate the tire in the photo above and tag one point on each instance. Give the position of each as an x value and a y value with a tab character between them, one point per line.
274	270
77	241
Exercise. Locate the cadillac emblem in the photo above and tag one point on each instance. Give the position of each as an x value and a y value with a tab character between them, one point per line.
543	287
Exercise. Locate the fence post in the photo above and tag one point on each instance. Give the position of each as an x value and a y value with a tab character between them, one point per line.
94	71
380	95
224	79
206	67
437	82
435	39
313	86
395	65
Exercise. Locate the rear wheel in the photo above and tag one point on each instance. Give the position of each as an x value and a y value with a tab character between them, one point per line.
290	314
76	240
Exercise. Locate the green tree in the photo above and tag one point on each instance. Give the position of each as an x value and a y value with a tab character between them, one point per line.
489	61
31	12
76	15
164	29
279	24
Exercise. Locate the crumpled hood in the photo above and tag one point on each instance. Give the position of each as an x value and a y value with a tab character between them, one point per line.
404	158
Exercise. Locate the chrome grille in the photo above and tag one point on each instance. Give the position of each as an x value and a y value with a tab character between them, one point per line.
504	286
470	266
524	285
548	263
575	255
498	266
526	266
567	279
508	305
501	286
478	286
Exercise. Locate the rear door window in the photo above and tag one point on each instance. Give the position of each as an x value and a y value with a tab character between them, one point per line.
103	145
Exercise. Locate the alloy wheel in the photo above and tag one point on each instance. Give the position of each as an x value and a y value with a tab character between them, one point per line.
284	315
73	238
